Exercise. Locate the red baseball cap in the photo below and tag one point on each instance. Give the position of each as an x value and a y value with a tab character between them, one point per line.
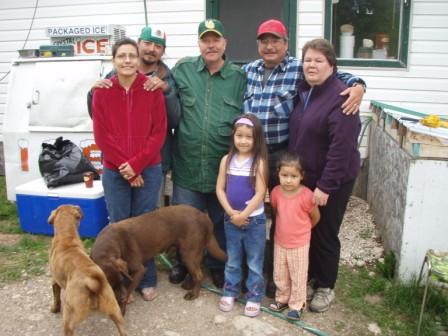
274	27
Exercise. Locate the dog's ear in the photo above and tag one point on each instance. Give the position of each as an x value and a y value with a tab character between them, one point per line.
122	267
77	212
52	216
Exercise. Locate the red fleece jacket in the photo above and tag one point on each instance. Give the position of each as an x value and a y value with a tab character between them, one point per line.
129	126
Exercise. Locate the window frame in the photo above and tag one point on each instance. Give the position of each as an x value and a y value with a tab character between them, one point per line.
289	18
401	62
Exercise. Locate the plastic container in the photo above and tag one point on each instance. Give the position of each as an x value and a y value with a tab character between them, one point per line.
28	53
347	45
364	52
56	50
35	203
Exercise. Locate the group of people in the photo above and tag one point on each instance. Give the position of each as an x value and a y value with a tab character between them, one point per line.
229	135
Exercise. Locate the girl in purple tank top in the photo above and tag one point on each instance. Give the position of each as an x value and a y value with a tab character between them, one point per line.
241	189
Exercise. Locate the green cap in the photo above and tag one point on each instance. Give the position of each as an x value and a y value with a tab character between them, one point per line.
211	25
156	35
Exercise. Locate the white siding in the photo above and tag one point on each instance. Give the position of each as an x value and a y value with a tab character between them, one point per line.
422	86
179	18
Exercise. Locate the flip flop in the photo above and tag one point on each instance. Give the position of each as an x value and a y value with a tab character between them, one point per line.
148	293
252	309
226	303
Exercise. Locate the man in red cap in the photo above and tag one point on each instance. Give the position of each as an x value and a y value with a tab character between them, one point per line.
271	95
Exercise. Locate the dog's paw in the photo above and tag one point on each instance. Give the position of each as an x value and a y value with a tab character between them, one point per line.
55	309
190	296
188	283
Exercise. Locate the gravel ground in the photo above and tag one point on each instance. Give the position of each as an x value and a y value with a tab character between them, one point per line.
26	304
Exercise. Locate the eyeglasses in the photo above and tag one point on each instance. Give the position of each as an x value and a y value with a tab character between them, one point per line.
270	41
123	57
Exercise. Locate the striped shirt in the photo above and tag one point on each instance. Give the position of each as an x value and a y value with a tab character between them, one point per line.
239	189
273	103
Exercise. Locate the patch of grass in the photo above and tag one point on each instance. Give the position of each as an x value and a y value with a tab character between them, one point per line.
387	268
366	233
398	310
9	222
27	258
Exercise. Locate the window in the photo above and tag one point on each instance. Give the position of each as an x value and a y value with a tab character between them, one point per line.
242	18
369	32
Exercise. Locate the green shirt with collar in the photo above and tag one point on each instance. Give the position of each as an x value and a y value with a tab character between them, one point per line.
209	104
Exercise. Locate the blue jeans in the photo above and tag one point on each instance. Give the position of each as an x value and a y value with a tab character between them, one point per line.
204	202
251	240
123	201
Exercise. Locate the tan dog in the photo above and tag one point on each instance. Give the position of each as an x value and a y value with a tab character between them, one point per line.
86	286
122	248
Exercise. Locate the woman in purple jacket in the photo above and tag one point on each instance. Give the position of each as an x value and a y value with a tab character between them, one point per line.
326	141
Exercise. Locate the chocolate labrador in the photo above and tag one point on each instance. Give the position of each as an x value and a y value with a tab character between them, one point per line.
122	248
86	287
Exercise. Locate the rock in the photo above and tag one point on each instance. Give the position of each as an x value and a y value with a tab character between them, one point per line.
372	299
374	328
36	317
360	263
219	319
254	327
171	333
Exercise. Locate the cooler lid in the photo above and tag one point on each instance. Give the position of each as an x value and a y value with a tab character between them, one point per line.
77	190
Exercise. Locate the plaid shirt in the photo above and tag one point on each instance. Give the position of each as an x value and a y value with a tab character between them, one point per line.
274	102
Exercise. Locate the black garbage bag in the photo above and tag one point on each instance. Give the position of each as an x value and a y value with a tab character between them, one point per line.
63	163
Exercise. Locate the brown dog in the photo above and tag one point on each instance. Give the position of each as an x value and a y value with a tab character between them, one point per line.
121	248
86	286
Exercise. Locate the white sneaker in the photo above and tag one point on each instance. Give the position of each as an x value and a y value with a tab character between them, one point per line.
322	300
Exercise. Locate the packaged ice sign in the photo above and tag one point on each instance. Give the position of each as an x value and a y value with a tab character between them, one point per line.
78	31
87	40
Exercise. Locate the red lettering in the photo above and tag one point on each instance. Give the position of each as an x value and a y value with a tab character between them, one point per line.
87	47
101	45
78	47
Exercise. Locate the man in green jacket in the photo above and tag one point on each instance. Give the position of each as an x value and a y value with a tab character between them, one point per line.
211	93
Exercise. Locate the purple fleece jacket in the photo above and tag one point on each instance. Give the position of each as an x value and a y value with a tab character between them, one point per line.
325	138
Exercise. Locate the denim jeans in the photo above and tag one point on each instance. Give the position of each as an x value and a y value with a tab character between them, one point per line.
204	202
123	201
249	239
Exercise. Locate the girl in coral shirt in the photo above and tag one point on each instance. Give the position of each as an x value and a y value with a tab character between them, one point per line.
296	214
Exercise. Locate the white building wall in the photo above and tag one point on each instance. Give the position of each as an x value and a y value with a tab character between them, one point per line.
422	86
180	19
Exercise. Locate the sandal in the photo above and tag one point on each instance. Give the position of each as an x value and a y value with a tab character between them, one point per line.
148	293
252	309
226	303
294	315
278	306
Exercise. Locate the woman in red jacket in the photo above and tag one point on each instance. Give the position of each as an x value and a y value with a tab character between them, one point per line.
129	125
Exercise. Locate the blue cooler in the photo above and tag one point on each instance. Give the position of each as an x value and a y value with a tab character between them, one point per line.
35	202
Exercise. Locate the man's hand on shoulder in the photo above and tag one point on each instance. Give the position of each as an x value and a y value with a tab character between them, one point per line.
355	94
102	84
153	83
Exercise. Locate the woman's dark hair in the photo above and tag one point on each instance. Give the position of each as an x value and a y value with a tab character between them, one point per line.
259	150
291	160
123	41
323	46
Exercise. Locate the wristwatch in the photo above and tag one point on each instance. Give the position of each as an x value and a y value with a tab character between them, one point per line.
361	84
